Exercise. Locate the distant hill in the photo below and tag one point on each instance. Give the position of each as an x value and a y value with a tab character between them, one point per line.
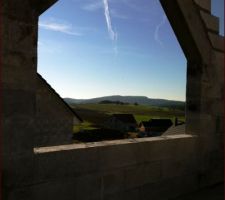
142	100
74	101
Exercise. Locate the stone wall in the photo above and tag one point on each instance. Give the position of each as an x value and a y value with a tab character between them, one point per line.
54	118
19	28
152	168
149	168
197	31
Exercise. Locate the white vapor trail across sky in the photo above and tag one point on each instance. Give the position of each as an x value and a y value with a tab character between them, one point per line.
156	34
112	33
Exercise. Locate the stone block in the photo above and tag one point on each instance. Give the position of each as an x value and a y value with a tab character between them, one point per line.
18	103
83	188
218	67
140	175
218	107
27	10
115	196
18	169
217	41
178	167
164	147
117	156
204	4
133	194
16	134
211	22
18	79
113	182
159	191
194	93
125	195
218	60
211	177
169	188
19	11
20	60
88	187
186	149
157	150
192	121
212	90
219	120
71	163
19	194
25	39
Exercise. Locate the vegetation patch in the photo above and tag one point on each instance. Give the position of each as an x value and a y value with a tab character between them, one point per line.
95	115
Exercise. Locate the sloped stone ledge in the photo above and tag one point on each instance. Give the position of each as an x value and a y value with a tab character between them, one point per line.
68	147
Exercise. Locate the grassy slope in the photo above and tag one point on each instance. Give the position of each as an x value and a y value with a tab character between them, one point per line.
95	114
140	109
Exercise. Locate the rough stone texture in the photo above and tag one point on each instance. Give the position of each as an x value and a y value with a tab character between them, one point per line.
111	170
54	118
215	192
204	4
152	168
19	52
211	22
18	94
205	91
217	41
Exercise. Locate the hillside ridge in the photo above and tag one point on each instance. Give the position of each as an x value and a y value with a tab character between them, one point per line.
142	100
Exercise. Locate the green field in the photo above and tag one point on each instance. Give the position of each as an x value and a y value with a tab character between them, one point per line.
84	126
114	108
95	114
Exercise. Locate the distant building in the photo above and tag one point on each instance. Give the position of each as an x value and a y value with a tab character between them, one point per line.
154	127
122	122
178	122
175	130
55	119
144	126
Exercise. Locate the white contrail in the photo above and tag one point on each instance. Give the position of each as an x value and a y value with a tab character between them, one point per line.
58	27
112	33
156	34
108	20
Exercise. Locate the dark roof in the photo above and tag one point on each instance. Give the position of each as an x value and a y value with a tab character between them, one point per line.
174	130
66	105
145	124
161	122
126	118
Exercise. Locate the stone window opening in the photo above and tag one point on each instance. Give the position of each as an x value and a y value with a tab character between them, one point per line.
142	168
163	19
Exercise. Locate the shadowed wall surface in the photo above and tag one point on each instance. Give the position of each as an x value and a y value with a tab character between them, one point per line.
54	118
152	168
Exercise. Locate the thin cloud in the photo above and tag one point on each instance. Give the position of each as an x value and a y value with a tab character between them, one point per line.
93	6
158	27
59	27
118	15
133	5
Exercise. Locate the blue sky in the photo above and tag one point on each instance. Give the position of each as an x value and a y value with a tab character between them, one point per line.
93	48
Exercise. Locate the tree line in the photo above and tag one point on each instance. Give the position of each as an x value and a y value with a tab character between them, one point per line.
116	102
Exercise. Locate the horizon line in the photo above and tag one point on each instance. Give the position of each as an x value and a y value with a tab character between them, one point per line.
124	96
